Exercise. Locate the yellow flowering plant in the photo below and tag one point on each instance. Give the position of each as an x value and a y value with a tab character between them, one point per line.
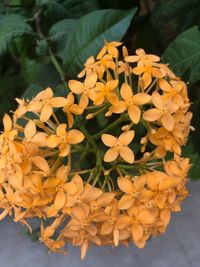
101	165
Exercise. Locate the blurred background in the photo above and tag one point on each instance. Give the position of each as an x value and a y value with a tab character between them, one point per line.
46	42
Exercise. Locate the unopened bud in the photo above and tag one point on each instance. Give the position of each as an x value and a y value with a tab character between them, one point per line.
108	113
90	116
126	128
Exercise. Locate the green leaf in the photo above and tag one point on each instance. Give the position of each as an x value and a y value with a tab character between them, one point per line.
32	91
183	55
167	10
61	28
190	152
89	34
42	48
12	25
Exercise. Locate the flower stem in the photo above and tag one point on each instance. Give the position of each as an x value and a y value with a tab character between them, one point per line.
109	127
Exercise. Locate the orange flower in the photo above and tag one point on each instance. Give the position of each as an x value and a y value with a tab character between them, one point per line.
141	57
77	192
64	139
172	93
159	184
131	103
90	67
72	108
104	92
106	62
162	112
31	135
147	71
44	102
83	88
139	218
109	222
132	190
119	146
81	229
109	48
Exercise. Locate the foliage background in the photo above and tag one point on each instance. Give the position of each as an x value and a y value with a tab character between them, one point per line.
45	42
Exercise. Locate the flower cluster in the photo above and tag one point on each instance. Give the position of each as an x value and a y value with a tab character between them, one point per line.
102	164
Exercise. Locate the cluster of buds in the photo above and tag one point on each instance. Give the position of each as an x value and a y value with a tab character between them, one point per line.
101	165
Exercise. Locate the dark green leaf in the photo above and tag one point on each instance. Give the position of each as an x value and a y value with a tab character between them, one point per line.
90	32
12	25
61	28
189	151
183	54
31	91
167	10
42	48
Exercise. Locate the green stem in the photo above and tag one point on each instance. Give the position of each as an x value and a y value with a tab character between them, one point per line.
109	127
57	65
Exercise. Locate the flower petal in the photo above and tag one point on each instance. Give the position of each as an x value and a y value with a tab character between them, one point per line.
111	85
126	202
41	163
141	99
111	154
134	113
125	185
91	80
152	114
46	113
64	149
126	137
127	154
52	141
157	100
58	102
7	122
75	86
146	217
60	200
30	129
109	140
137	232
126	91
74	137
106	228
168	121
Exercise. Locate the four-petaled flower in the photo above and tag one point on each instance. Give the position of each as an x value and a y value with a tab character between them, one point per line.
64	139
119	146
131	103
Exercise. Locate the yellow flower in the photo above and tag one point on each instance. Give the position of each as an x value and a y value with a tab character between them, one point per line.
83	88
131	103
119	146
63	139
104	92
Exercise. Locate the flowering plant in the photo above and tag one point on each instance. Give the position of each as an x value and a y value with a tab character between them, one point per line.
99	183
